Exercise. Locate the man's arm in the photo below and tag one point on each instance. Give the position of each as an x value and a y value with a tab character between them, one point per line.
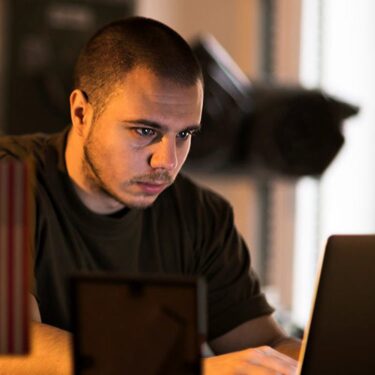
250	349
254	333
50	351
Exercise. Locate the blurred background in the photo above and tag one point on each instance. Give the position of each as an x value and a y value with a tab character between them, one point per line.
288	118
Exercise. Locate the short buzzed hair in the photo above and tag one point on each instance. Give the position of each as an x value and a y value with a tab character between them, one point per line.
133	42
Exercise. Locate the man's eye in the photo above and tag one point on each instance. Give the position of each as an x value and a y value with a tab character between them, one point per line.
184	134
145	132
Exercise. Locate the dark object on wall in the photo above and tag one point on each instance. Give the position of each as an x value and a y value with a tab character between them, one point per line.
293	131
43	39
263	128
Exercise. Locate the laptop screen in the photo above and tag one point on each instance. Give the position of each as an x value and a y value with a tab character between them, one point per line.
341	334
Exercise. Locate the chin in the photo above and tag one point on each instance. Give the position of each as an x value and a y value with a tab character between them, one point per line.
131	200
140	203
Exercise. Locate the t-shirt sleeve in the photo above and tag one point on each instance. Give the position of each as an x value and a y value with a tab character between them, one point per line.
234	294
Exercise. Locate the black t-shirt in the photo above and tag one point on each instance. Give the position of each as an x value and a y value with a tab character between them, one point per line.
187	231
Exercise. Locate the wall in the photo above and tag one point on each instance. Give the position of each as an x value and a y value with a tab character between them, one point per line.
338	55
233	23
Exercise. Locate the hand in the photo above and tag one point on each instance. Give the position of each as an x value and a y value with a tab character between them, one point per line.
258	361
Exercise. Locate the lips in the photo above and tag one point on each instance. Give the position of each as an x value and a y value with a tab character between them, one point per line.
152	188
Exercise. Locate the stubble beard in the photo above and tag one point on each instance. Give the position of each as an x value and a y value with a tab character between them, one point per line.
93	175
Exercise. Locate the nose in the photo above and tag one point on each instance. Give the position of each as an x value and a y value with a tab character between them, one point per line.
164	155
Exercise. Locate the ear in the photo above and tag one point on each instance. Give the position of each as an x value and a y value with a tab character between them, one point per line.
80	112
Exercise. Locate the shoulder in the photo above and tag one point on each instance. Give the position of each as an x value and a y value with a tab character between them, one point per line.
22	146
40	148
195	195
196	205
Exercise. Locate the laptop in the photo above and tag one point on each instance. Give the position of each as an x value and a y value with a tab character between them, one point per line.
137	324
340	337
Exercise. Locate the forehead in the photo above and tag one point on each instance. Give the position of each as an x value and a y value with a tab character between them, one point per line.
143	94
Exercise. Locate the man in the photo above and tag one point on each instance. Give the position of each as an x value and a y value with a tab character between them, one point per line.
109	197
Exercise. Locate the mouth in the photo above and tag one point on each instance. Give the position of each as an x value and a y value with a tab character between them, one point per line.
152	188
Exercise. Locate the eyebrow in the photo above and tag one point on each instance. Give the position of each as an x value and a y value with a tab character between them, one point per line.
157	125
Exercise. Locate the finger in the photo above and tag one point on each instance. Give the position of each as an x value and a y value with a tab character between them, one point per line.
251	369
271	359
267	350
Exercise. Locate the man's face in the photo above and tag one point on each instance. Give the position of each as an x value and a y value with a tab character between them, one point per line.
138	144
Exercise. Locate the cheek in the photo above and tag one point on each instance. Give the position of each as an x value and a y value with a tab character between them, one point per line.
183	151
113	157
126	160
